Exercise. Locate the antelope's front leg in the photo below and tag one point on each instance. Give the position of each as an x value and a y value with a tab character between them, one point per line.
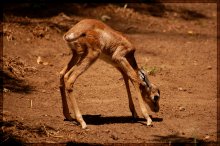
130	101
142	103
118	56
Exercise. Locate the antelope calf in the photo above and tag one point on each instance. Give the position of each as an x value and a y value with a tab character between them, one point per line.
91	39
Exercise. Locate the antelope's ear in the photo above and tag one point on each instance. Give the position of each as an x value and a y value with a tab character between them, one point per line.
143	76
142	70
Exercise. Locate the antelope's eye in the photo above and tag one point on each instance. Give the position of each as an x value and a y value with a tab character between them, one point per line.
83	34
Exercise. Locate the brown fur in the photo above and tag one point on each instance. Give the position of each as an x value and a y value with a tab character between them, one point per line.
89	40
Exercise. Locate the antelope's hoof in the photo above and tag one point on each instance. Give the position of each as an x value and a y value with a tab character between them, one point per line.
84	126
149	121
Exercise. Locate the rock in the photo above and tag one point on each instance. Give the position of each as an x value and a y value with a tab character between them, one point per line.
39	60
43	91
190	32
209	67
182	108
207	137
28	39
45	63
5	90
181	89
114	136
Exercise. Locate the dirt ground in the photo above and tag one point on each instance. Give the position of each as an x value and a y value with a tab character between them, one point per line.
176	44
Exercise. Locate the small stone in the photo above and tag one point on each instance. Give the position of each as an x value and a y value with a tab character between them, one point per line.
181	89
44	91
39	60
190	32
181	108
45	63
6	90
114	136
209	67
207	137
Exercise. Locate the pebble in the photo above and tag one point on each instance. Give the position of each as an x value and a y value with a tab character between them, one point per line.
45	63
39	60
6	90
181	108
114	136
181	89
28	39
207	137
43	91
209	67
190	32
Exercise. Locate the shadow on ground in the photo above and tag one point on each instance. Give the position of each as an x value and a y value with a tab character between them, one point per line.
99	120
11	83
6	133
160	10
45	10
177	140
11	132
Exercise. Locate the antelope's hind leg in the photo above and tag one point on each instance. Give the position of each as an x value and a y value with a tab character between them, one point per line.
81	67
65	101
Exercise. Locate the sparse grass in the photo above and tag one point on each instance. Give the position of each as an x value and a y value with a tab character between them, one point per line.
151	70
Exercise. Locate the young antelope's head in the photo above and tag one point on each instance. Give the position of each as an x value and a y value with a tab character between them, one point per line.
150	92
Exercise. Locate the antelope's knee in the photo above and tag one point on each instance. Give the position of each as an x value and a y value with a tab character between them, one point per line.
66	77
61	75
69	86
117	58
